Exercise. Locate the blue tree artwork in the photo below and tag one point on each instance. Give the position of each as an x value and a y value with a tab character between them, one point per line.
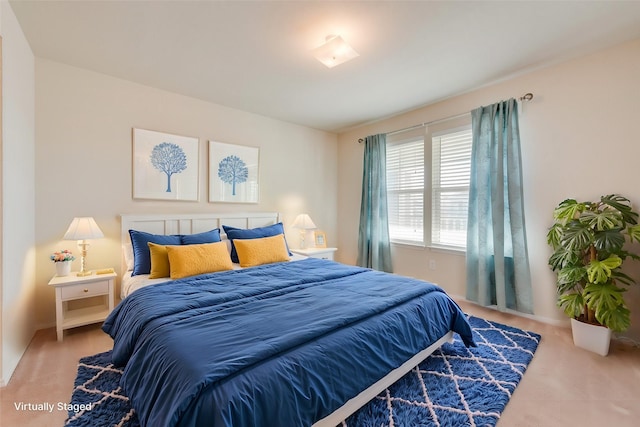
233	170
170	159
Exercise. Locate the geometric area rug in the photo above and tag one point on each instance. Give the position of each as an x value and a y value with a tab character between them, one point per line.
455	386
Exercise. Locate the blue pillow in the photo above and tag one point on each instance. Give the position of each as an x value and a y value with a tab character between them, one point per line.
252	233
141	255
212	236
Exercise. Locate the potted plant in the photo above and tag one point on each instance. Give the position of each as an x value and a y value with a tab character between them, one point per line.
62	260
588	241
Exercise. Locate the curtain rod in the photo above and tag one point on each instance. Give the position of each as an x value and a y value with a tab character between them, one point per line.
525	97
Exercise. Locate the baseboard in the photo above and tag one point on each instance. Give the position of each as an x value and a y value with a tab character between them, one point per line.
626	340
40	326
563	323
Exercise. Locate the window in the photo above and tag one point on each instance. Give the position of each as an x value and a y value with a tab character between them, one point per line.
437	196
451	167
405	191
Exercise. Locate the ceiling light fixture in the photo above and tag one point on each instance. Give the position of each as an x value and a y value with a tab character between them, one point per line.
334	51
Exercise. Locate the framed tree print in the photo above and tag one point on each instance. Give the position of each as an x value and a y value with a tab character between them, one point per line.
165	166
233	173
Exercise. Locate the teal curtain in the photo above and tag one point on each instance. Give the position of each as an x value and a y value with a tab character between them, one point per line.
374	247
497	258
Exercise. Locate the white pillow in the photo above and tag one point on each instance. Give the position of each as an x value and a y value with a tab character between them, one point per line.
127	250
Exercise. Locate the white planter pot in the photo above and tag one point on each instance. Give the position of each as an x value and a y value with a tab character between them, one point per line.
63	268
591	337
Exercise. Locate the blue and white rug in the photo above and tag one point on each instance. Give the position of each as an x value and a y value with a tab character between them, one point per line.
455	386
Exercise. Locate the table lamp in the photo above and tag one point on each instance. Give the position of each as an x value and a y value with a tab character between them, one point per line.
82	229
304	223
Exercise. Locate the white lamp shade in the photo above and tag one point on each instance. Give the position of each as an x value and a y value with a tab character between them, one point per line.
304	222
83	228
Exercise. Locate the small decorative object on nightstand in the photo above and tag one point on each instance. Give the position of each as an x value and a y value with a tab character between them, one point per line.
320	238
62	261
322	253
74	287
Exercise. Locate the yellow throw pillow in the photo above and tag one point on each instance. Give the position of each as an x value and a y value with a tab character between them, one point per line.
189	260
266	250
159	261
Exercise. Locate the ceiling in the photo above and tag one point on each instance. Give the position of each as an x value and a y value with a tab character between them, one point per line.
255	56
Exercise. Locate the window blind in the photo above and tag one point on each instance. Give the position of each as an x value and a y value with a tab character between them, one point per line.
405	191
451	157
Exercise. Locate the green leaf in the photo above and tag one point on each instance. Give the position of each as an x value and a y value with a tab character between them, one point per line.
633	256
572	304
564	288
577	236
602	220
609	240
571	274
623	278
618	320
600	271
562	258
634	232
607	301
571	278
623	205
603	296
554	236
568	210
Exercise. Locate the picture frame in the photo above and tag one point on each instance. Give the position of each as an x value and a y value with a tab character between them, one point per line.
165	166
320	239
233	173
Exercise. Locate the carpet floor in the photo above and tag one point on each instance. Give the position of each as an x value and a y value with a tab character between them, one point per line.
455	386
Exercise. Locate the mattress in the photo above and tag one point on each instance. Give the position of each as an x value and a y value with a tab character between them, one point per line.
280	344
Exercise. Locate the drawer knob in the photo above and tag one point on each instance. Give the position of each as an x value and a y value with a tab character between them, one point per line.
86	290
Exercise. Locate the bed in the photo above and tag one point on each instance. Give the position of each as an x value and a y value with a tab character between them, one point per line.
302	343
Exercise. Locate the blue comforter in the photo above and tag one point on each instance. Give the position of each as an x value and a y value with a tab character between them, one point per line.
280	344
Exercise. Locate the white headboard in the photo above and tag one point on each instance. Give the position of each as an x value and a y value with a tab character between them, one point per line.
191	223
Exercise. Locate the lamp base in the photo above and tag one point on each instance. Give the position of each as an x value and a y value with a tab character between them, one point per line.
83	245
302	239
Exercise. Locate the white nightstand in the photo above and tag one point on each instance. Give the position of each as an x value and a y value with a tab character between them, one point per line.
322	253
74	287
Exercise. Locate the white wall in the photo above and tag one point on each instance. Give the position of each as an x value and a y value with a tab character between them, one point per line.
83	162
579	139
18	185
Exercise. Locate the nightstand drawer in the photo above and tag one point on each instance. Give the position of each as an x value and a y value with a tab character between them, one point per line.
84	290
